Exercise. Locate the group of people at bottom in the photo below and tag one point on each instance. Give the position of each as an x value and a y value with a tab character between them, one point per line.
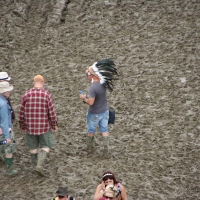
108	189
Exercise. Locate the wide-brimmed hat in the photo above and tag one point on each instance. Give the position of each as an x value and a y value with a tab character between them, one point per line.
62	191
38	78
5	87
4	76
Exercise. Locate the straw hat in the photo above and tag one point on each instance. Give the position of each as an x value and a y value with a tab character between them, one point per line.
5	87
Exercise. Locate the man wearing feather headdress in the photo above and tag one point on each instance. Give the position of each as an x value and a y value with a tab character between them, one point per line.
101	74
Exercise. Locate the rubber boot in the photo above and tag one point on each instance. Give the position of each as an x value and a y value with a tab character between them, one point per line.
2	159
41	158
33	160
9	170
90	141
105	146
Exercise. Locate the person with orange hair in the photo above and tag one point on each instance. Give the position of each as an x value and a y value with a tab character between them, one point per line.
37	118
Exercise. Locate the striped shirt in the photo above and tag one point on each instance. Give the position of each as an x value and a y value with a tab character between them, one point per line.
37	113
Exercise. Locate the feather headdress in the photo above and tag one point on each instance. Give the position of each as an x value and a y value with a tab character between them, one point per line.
105	70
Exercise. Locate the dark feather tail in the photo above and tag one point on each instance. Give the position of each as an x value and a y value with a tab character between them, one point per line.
106	68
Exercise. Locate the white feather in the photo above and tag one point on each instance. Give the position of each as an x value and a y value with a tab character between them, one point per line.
96	70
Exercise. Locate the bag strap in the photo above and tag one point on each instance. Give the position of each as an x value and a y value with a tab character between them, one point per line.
119	189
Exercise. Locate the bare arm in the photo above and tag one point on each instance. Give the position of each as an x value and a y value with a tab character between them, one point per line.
89	101
99	191
123	193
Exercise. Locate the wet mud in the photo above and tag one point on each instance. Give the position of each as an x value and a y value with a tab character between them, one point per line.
154	143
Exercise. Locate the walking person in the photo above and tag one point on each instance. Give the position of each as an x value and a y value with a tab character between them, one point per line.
6	126
37	117
4	77
101	74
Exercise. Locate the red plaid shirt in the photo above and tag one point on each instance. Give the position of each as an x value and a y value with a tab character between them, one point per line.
37	113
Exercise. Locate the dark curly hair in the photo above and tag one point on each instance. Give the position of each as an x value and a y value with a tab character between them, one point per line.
109	175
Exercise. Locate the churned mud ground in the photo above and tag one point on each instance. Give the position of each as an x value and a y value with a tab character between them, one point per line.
155	143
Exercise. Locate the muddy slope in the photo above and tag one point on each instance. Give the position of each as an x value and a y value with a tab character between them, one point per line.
155	142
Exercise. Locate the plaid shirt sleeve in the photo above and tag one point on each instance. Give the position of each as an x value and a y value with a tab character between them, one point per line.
21	115
52	113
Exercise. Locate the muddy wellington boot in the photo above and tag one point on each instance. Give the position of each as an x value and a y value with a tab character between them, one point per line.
34	160
2	159
41	158
9	170
105	146
90	141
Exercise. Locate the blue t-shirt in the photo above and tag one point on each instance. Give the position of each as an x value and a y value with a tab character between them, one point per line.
98	91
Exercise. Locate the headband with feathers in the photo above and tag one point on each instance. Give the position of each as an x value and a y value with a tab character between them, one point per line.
105	70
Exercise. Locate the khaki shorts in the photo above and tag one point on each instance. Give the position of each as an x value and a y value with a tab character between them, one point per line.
9	148
45	140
